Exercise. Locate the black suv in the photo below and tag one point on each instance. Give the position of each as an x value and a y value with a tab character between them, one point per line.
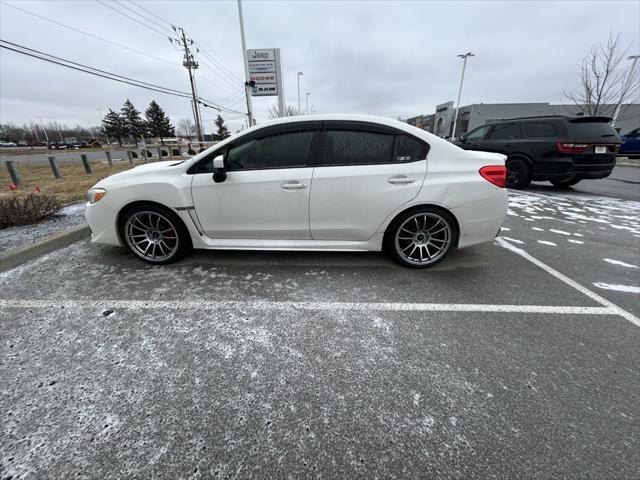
563	150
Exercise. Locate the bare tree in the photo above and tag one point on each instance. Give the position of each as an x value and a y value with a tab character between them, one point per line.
289	111
606	82
186	128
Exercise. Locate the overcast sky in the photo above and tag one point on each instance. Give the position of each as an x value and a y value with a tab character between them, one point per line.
390	58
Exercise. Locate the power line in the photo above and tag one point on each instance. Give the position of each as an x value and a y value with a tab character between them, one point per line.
101	2
105	74
143	16
228	72
133	82
86	66
92	35
151	13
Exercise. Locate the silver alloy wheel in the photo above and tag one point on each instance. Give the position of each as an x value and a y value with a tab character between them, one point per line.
423	238
151	236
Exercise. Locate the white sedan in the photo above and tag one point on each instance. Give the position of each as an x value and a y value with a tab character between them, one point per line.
318	182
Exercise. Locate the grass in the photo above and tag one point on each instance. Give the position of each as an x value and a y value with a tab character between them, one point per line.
71	188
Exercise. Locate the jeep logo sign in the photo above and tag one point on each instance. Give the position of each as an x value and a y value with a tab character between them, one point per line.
264	71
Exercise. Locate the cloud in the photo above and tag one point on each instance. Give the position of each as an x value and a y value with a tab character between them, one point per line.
390	58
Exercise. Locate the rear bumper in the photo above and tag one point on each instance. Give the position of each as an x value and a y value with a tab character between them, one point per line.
581	166
480	220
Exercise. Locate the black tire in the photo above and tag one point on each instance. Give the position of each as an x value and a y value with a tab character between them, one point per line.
428	223
518	173
567	182
166	234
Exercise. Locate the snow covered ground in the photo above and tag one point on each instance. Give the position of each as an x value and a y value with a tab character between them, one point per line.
15	237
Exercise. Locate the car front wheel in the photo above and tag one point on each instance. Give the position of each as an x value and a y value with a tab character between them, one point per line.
422	238
153	234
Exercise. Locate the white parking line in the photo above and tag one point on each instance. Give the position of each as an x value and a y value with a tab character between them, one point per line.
284	306
572	283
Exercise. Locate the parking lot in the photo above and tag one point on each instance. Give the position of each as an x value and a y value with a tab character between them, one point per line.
517	359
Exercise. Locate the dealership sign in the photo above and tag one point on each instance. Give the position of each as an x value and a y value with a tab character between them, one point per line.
264	71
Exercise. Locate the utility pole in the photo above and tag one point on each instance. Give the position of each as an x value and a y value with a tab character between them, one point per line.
247	85
625	85
464	66
299	75
191	65
44	129
307	109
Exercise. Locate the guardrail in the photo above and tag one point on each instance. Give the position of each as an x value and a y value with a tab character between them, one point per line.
148	153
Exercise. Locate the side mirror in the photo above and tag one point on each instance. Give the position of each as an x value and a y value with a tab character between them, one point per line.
219	175
218	162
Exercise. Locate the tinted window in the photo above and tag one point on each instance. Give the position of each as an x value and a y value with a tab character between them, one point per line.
539	129
277	151
477	134
409	149
346	147
505	131
591	130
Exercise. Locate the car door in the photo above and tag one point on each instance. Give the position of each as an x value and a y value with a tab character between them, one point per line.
365	172
266	191
502	138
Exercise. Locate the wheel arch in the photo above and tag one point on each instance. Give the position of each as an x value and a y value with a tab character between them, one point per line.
387	230
520	155
141	203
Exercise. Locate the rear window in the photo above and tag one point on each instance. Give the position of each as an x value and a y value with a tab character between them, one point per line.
591	130
539	129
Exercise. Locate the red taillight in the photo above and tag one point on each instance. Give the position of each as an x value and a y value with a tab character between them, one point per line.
572	147
496	174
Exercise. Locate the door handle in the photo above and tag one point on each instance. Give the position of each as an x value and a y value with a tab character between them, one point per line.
400	179
293	186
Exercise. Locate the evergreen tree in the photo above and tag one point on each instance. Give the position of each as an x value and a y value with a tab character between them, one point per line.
223	131
114	126
158	124
133	121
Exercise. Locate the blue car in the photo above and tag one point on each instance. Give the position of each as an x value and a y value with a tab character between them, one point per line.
630	143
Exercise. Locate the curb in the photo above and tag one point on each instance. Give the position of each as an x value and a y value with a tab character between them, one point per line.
18	256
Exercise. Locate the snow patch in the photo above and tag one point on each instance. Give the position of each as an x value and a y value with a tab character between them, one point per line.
618	288
513	240
544	242
576	241
560	232
620	263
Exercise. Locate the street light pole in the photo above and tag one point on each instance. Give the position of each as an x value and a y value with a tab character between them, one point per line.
299	74
627	81
464	66
307	109
247	87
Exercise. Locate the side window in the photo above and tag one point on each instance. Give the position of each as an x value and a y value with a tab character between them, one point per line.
505	131
539	129
206	165
409	149
285	150
477	134
347	147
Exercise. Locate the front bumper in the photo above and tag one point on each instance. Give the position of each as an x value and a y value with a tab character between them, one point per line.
102	221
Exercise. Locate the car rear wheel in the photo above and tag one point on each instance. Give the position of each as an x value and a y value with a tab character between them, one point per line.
518	173
421	238
567	182
154	234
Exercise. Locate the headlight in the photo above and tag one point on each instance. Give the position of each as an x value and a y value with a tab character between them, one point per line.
95	194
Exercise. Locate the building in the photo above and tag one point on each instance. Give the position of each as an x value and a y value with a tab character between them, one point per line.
477	114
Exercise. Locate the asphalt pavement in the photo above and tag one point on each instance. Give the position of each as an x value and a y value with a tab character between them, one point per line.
516	359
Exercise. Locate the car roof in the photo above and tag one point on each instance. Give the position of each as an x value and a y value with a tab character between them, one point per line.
570	118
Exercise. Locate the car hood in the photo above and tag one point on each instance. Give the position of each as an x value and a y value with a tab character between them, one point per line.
137	171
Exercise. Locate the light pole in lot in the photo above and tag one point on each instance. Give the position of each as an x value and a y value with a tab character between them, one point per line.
307	109
464	56
626	84
247	87
299	75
